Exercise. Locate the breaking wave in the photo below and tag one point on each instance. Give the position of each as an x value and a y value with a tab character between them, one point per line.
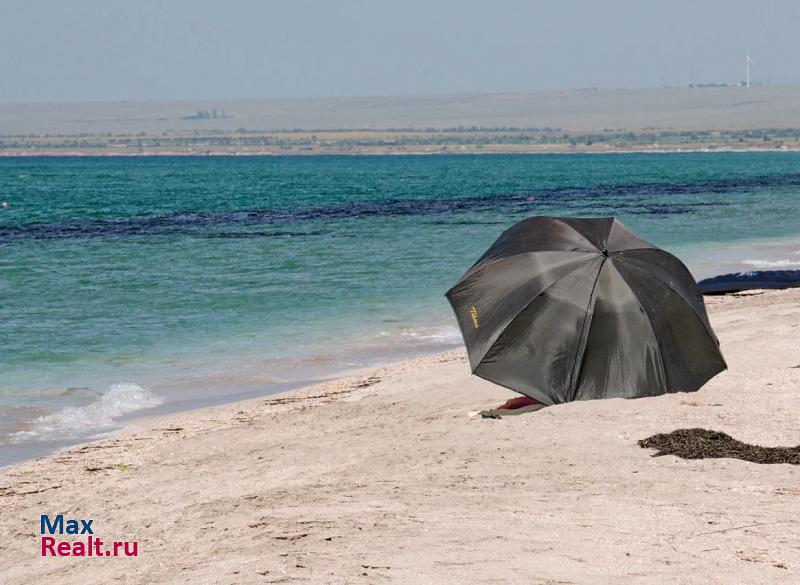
75	421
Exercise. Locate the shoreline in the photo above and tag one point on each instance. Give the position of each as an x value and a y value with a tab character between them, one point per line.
452	150
21	452
380	475
55	439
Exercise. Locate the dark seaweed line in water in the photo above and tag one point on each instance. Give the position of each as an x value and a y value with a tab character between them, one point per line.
594	199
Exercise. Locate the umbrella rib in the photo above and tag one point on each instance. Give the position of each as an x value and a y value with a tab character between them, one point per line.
518	313
652	331
621	256
641	248
584	332
590	250
564	223
475	267
670	288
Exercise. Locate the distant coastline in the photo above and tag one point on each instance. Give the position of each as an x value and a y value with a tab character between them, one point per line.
670	119
464	152
400	142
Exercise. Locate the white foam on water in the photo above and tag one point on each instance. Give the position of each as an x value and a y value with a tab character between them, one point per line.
770	263
422	335
434	335
73	421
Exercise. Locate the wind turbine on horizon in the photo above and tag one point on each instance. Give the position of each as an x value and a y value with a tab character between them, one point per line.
747	62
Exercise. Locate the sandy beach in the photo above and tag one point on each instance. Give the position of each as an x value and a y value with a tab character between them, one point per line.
382	477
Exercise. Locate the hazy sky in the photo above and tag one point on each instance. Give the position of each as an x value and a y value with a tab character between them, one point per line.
76	50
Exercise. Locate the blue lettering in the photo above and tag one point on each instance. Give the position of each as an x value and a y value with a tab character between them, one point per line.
57	525
51	528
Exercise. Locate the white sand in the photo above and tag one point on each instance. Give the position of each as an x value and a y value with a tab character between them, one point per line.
382	477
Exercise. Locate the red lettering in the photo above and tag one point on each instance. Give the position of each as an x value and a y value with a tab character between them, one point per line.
92	546
47	545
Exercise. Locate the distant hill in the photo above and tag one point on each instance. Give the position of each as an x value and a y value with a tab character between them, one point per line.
589	110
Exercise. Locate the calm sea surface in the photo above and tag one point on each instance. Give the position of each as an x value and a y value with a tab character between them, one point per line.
129	283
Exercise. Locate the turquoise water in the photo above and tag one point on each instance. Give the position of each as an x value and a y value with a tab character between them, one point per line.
129	282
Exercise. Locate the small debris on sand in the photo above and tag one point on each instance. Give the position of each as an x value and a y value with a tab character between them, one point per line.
706	444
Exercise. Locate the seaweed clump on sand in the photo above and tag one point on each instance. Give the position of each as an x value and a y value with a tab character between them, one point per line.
703	444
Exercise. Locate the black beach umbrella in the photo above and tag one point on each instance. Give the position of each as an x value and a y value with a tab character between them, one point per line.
563	309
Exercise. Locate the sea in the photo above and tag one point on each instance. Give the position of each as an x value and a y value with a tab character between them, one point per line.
132	286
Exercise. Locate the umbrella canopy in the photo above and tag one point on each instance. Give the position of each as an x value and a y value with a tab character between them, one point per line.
563	309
